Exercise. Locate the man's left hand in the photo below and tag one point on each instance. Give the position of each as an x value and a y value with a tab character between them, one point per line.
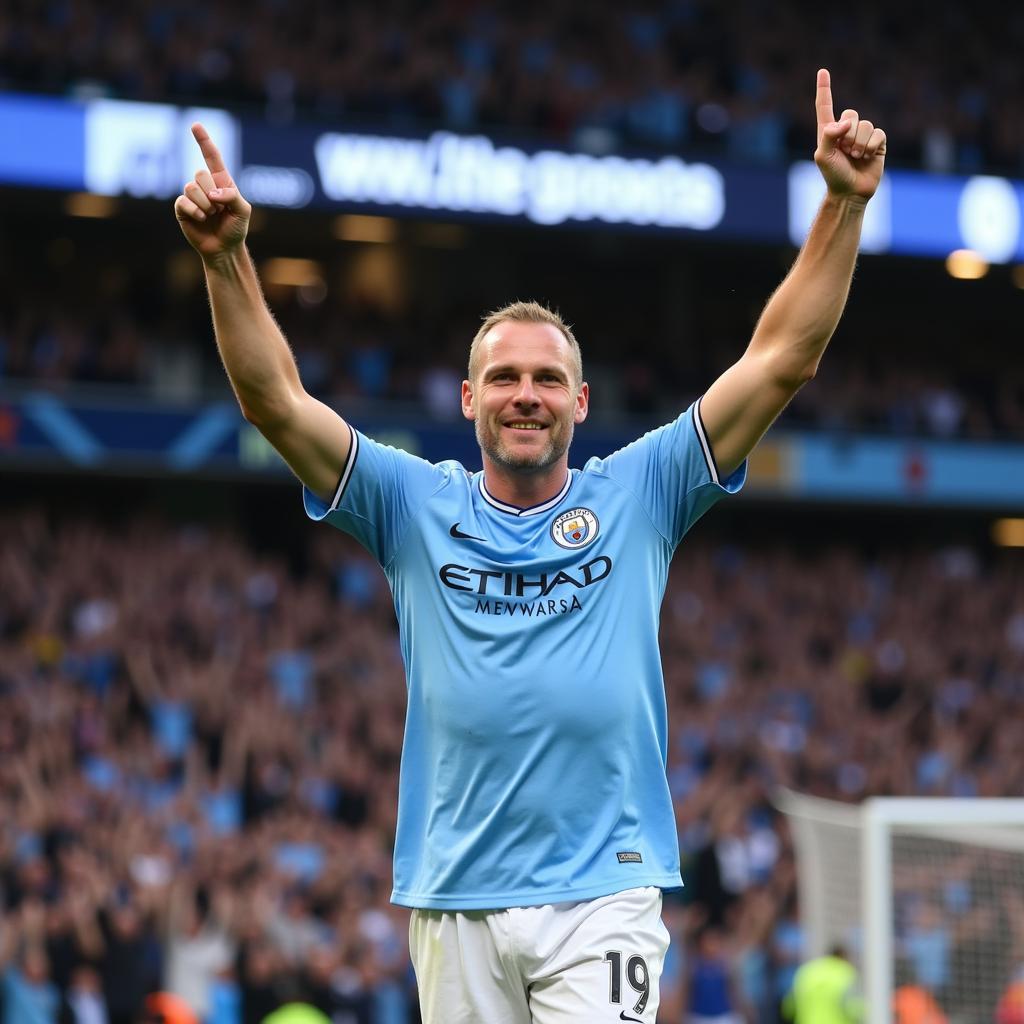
851	152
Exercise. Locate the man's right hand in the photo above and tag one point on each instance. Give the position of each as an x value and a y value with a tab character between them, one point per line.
211	211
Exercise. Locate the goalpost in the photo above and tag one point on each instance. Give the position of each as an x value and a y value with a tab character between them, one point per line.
923	892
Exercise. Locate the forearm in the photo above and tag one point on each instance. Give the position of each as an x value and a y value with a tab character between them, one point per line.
255	354
801	316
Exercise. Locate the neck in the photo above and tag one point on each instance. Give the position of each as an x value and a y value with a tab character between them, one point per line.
524	489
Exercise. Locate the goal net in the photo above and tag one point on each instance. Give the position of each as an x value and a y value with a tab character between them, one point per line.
926	895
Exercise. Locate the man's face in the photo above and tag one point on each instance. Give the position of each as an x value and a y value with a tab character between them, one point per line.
524	400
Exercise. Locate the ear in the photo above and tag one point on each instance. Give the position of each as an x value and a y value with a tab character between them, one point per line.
467	401
579	414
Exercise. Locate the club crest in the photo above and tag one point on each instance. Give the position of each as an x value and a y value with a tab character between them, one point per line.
575	529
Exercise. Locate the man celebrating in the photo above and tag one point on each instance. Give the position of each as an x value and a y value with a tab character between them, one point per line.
536	829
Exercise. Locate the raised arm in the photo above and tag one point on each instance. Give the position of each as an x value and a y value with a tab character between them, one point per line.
800	317
214	217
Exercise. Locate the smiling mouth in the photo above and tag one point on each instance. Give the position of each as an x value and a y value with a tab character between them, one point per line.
521	425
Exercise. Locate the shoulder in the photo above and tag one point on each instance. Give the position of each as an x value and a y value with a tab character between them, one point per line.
383	464
450	477
454	471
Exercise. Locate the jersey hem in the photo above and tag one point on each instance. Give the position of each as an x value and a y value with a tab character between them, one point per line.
492	901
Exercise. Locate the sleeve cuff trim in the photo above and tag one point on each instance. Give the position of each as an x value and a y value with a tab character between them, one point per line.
346	471
705	445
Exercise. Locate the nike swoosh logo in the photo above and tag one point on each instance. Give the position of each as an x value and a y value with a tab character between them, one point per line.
459	535
622	1016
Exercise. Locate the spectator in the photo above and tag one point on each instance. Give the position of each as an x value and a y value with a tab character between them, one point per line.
84	1002
825	991
710	992
29	994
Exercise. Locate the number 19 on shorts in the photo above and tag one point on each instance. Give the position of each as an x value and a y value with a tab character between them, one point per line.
637	976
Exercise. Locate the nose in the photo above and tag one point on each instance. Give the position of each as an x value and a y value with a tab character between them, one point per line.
525	395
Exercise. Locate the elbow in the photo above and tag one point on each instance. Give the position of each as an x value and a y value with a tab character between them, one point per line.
265	413
795	374
807	374
253	414
249	413
257	417
789	367
792	379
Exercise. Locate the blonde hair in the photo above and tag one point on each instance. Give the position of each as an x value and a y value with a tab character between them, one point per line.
527	313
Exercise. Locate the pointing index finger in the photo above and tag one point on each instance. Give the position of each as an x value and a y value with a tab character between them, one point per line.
211	154
823	100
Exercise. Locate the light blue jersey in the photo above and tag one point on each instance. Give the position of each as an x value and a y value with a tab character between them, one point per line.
533	768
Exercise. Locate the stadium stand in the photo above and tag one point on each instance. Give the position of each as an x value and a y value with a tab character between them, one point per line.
910	374
201	744
684	73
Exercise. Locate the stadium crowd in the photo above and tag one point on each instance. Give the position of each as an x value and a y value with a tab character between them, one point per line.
682	73
200	745
166	352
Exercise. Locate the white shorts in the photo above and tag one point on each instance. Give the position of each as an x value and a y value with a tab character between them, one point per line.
562	963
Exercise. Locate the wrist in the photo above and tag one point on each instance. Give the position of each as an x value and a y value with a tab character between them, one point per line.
227	262
846	201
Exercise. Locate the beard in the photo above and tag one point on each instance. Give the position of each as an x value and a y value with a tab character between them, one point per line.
532	461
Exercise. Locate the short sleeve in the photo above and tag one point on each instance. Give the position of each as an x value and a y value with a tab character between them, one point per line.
378	493
672	472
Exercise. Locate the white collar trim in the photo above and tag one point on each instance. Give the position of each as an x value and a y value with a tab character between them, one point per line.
533	510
